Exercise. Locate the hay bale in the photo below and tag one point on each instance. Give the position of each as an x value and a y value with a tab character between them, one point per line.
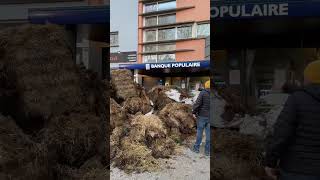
226	168
92	169
138	145
117	114
38	61
146	126
135	157
159	98
162	147
21	158
237	145
73	138
116	136
123	84
136	104
142	93
237	156
177	115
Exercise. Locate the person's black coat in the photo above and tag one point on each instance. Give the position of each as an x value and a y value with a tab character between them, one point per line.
296	138
202	105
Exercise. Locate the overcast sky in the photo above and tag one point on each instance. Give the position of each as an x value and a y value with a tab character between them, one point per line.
124	18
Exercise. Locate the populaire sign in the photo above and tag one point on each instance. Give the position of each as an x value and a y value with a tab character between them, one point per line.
173	65
250	10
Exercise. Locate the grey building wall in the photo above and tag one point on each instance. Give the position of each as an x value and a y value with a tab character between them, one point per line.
14	12
124	19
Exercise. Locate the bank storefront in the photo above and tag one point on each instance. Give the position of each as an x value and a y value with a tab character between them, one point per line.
262	45
182	75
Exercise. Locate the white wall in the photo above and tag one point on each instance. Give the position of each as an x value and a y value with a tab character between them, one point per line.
124	19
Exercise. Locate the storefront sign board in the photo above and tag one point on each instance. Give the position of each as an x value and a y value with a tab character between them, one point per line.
252	9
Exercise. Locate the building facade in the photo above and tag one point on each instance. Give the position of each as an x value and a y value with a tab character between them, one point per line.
172	31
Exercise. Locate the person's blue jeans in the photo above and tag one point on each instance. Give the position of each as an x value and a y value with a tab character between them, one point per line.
293	176
203	123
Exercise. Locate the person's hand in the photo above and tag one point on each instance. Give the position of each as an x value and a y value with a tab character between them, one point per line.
194	116
271	172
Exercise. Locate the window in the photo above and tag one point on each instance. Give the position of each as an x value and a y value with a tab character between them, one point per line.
114	39
150	7
160	47
114	49
150	58
184	32
167	47
203	30
166	57
167	5
160	20
161	6
166	34
150	48
167	19
153	58
150	21
151	35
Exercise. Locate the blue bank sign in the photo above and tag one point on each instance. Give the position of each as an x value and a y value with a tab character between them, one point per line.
173	65
169	65
246	9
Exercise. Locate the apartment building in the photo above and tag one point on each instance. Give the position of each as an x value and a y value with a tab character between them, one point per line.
172	44
172	31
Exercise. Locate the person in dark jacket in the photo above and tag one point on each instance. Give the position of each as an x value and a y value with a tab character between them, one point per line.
201	110
295	145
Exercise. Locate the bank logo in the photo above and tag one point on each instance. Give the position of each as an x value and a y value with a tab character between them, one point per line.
147	66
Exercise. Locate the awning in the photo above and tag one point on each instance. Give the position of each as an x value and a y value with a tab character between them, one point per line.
71	15
189	68
168	65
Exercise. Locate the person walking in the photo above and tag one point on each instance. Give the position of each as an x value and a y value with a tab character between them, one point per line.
201	110
295	144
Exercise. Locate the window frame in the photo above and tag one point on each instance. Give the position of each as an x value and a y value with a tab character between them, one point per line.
191	27
145	20
145	35
157	58
175	33
157	47
197	30
157	6
117	34
193	33
158	17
